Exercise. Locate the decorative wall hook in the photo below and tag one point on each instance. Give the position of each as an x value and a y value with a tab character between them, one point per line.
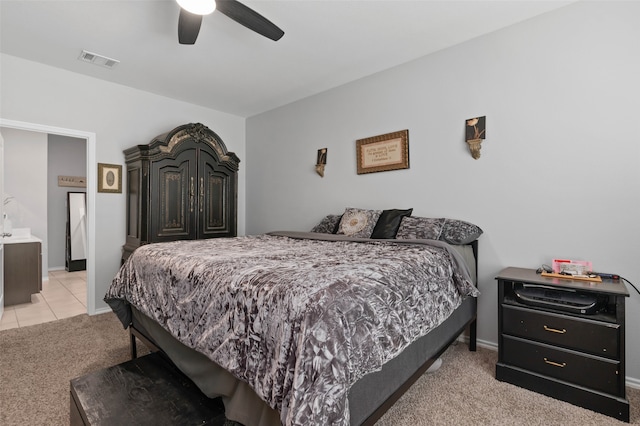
321	161
475	133
474	147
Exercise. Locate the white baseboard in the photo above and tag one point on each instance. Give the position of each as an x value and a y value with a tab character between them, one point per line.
102	311
482	343
632	382
487	345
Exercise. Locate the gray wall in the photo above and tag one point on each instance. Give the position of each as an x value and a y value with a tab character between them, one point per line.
67	157
559	174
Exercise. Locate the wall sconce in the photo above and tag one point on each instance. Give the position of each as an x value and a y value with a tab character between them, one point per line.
321	161
475	133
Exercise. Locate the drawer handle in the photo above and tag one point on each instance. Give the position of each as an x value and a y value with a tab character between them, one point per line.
555	364
554	330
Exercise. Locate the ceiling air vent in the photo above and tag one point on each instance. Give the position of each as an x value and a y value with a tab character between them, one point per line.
94	58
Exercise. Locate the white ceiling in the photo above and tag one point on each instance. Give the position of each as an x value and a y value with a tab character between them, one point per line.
326	43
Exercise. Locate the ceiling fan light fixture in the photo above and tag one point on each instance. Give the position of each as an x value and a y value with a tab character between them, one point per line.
198	7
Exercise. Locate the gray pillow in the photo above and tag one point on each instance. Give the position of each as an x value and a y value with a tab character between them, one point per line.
358	223
328	225
452	231
415	227
459	232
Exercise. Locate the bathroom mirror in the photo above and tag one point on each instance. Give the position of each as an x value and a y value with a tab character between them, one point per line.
76	259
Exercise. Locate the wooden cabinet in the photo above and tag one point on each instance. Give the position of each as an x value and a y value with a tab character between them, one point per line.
182	185
22	272
567	341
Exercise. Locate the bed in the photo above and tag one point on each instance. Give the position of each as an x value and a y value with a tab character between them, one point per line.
301	328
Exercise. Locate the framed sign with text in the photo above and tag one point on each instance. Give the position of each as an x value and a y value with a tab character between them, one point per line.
383	153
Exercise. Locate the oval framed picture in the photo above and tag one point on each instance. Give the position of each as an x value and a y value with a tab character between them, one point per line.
109	178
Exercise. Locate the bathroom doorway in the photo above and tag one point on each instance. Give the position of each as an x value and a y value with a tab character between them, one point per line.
90	173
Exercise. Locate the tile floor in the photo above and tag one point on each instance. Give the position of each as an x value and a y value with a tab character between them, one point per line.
63	295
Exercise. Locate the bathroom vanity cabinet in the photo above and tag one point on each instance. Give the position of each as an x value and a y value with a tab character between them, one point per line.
22	271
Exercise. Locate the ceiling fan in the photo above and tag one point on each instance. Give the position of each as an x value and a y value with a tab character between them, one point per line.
191	12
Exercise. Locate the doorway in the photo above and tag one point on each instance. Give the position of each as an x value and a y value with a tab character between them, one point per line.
91	176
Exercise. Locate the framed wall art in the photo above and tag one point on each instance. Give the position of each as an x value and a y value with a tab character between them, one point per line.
383	153
110	178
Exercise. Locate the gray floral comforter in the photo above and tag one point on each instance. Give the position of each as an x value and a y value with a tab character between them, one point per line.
299	319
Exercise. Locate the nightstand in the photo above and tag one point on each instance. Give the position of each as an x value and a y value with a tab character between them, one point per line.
563	338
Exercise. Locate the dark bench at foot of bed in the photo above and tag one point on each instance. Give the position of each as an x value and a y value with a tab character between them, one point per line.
145	391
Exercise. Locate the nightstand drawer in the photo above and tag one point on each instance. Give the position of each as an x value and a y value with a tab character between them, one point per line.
598	338
592	372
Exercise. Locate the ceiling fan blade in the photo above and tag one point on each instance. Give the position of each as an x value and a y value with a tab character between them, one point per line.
188	27
249	18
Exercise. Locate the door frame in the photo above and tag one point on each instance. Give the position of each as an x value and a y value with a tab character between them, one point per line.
2	219
91	193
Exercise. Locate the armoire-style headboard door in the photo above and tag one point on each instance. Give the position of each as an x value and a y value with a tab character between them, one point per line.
217	198
173	197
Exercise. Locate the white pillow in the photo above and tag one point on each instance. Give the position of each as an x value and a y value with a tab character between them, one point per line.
358	223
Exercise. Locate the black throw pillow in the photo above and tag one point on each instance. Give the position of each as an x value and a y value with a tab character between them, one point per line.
389	222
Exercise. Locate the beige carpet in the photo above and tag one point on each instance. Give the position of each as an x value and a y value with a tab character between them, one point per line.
37	363
464	391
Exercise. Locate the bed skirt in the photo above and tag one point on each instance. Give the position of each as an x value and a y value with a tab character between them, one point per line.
369	397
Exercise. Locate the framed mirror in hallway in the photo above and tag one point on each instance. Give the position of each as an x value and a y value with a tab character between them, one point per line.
76	234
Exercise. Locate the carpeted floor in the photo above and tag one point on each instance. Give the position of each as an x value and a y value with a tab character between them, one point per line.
464	391
37	363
